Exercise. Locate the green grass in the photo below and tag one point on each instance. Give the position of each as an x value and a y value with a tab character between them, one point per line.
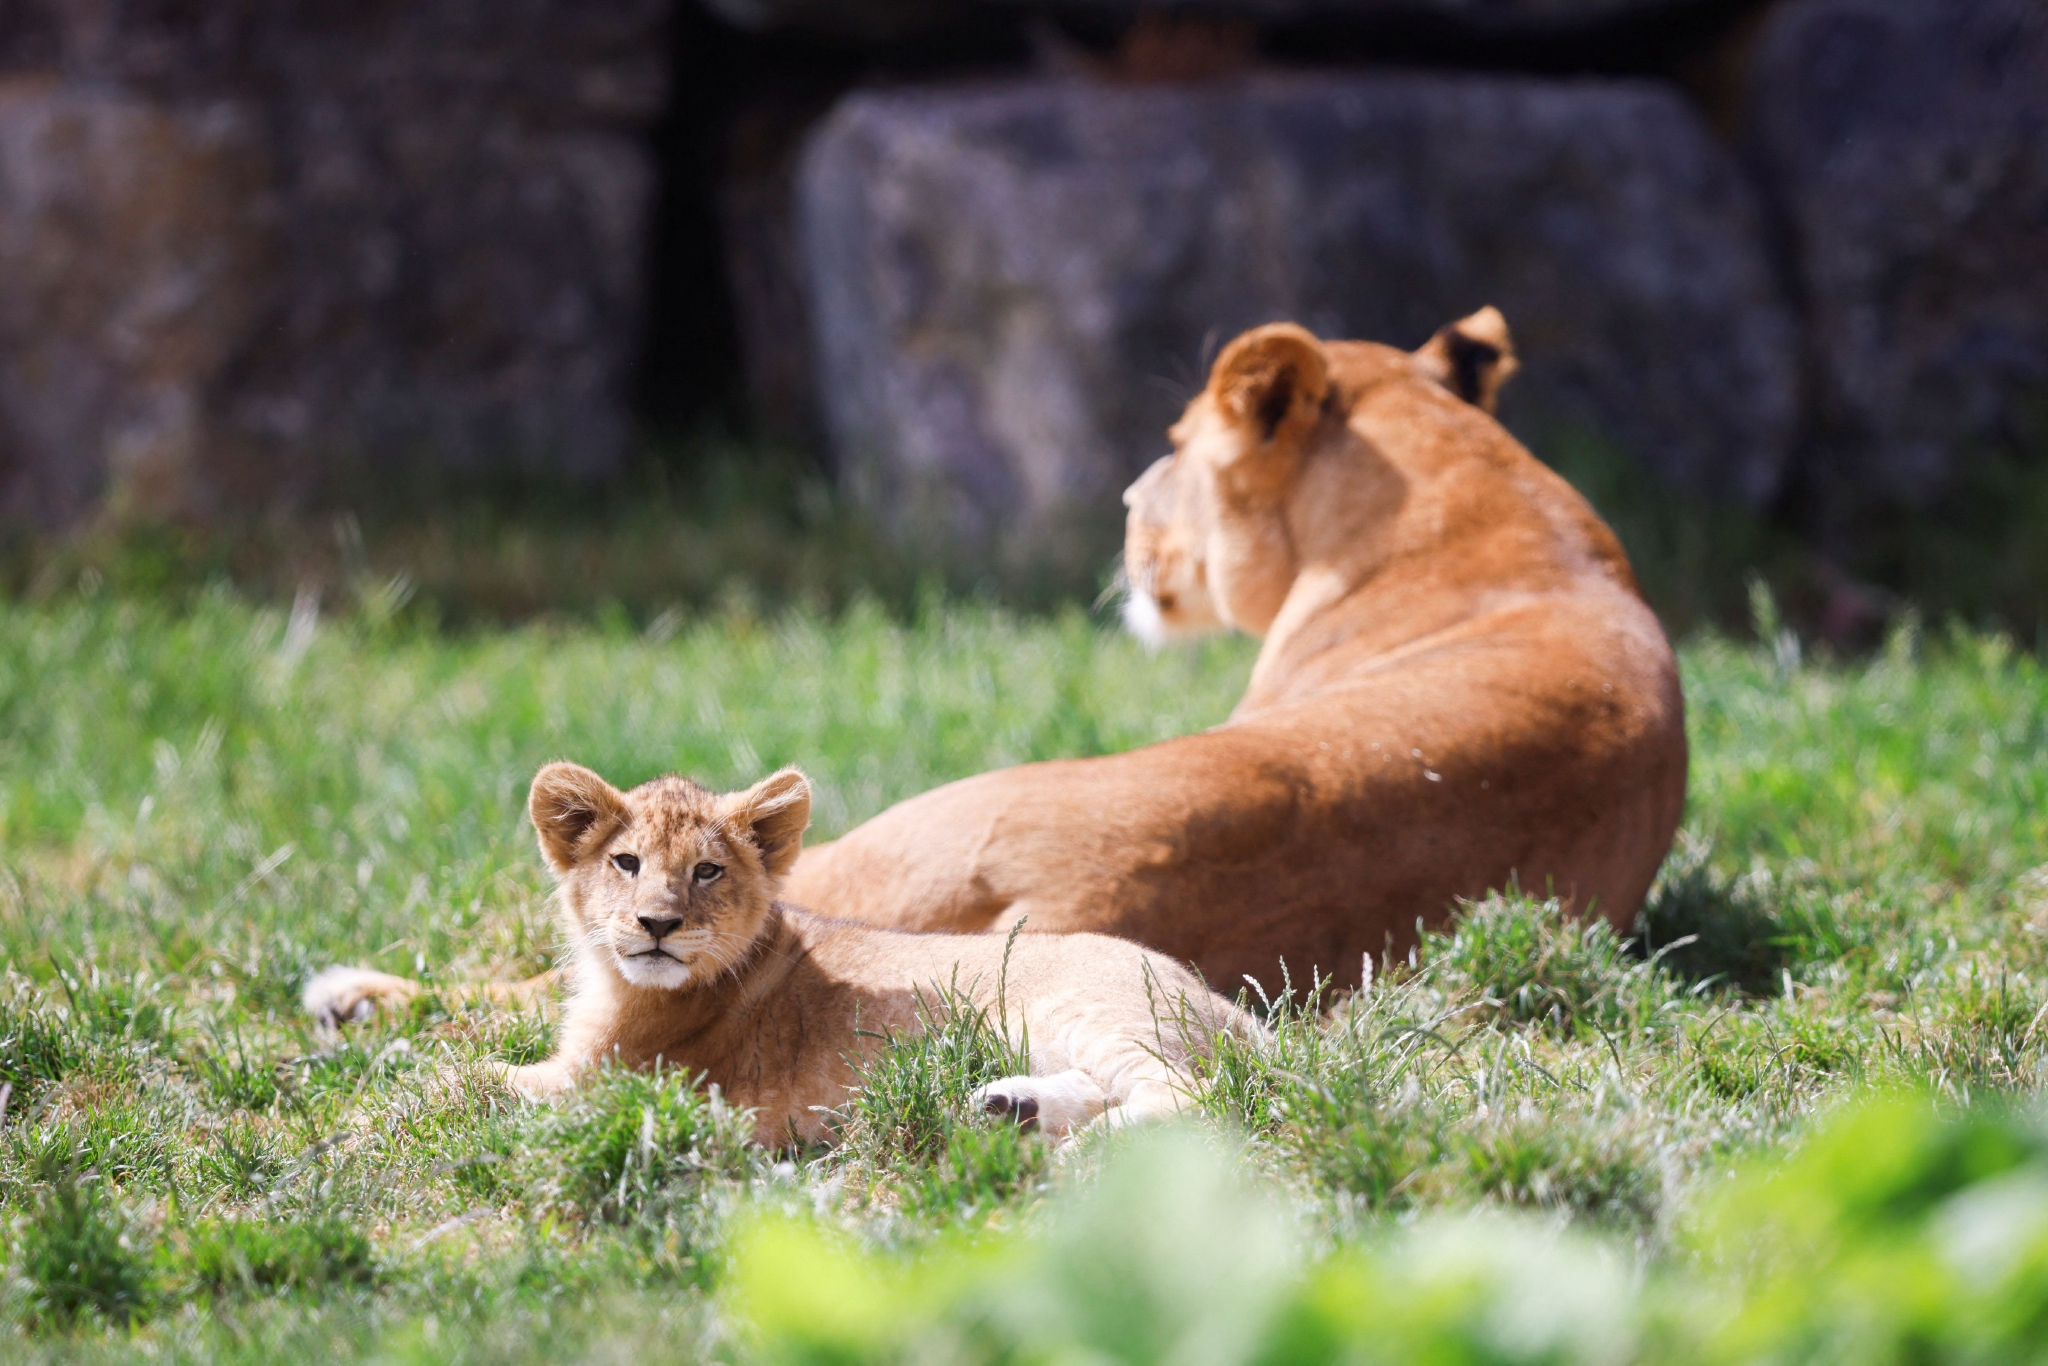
710	521
706	522
200	804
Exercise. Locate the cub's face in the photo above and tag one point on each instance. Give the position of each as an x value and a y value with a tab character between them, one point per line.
668	885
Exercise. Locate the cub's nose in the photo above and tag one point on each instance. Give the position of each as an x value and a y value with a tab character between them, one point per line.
658	925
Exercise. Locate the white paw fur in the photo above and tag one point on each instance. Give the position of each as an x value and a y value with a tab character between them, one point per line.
1058	1104
336	996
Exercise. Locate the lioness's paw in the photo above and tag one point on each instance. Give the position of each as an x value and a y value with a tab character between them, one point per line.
1012	1096
1056	1105
338	995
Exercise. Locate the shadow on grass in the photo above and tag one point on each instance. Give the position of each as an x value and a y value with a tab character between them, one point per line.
1744	931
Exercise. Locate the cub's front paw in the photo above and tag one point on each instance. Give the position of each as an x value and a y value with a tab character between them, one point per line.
1056	1105
338	995
537	1081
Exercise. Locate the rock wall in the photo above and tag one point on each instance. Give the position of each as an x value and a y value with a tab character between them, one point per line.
248	248
131	270
1905	145
251	250
1017	286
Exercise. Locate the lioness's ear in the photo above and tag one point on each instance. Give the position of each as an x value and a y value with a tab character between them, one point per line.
777	809
571	809
1270	383
1471	357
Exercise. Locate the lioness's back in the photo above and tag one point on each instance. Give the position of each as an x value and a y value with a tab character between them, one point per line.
1460	687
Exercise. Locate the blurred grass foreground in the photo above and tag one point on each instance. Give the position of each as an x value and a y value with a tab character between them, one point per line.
1895	1235
1516	1146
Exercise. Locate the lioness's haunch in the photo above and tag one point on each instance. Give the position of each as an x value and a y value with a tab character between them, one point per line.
682	954
1460	686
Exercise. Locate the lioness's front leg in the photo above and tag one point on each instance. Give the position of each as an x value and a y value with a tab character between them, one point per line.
539	1080
336	996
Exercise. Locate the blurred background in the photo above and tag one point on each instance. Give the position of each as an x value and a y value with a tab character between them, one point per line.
479	310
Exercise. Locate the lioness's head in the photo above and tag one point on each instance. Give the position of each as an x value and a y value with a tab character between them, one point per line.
1203	546
668	884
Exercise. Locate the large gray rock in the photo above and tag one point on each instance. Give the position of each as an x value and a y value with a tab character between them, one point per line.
1906	144
1016	287
435	260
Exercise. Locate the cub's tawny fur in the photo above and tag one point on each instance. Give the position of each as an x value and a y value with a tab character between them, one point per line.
682	954
1460	686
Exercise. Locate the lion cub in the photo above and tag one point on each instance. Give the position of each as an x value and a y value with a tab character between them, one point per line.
682	954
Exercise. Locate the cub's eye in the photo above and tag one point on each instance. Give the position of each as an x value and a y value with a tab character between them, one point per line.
626	863
708	872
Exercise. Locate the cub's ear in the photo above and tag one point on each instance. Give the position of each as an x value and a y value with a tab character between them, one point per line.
776	810
1471	357
572	809
1270	383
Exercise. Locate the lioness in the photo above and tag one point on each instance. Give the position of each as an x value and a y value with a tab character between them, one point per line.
681	953
1460	686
